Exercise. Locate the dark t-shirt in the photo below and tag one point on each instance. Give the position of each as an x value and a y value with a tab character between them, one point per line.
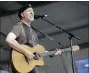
25	34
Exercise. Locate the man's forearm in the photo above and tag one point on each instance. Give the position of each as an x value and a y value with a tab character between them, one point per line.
15	45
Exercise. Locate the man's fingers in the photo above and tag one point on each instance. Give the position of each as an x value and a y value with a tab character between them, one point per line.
58	51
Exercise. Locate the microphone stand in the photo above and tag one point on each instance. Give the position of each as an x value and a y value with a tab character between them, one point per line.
48	36
70	38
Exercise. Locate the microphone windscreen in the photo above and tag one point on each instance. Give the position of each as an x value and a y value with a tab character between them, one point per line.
36	16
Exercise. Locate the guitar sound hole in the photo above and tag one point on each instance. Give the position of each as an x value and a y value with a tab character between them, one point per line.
36	56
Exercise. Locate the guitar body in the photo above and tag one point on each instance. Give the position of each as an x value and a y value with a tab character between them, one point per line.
20	63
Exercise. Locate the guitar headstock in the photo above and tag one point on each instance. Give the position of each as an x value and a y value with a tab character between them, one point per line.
75	47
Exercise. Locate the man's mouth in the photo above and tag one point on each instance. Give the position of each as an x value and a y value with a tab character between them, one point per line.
32	16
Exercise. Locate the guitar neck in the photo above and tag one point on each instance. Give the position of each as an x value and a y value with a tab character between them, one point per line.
47	53
53	52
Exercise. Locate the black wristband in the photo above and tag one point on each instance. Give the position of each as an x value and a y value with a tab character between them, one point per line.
51	56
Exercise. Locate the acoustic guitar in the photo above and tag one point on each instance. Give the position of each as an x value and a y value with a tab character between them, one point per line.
22	65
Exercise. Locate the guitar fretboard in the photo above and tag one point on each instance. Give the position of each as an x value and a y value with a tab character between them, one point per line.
53	52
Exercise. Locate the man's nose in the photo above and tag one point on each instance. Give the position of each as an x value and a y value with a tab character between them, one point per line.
31	13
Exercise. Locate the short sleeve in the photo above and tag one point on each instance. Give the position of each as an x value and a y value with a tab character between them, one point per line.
16	30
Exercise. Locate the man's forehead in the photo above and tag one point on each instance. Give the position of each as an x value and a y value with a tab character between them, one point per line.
29	9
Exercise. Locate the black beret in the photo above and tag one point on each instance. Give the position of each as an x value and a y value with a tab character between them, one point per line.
23	9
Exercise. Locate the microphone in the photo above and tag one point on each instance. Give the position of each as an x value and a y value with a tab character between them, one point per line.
39	16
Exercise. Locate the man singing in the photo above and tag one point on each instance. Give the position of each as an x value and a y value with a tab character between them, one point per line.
22	33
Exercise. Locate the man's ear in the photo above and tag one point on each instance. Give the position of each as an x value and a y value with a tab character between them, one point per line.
22	15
